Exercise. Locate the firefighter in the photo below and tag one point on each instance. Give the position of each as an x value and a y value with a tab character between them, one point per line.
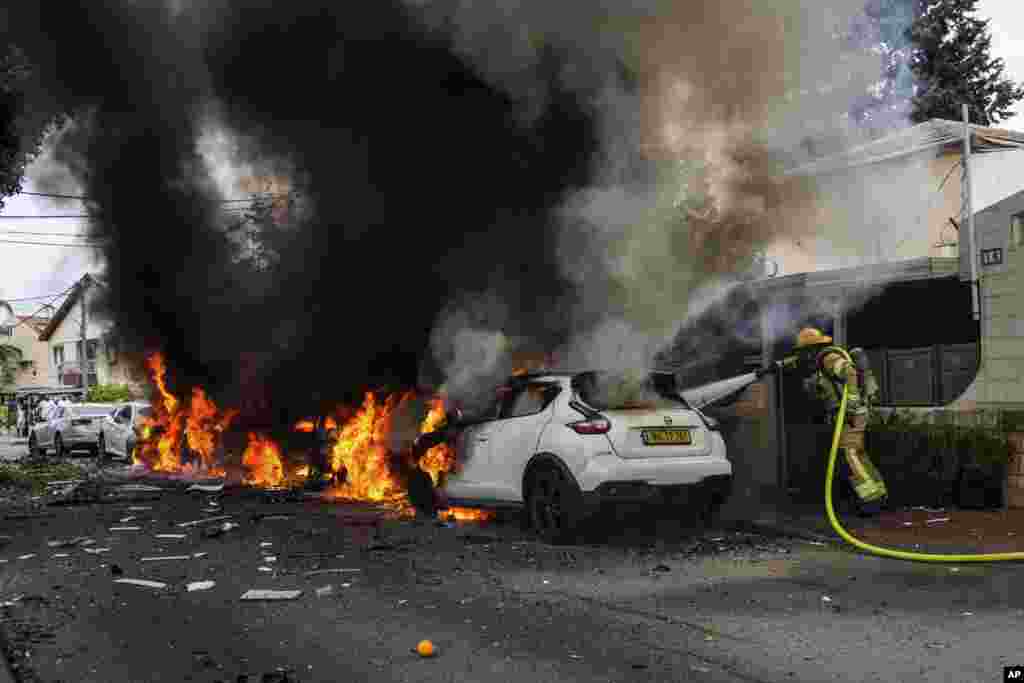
828	368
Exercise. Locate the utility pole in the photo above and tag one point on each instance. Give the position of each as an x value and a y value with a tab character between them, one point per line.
967	203
83	362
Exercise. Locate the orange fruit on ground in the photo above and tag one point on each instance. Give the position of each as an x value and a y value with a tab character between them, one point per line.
425	648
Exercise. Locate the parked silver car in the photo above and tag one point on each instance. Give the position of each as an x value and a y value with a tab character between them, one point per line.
120	430
69	428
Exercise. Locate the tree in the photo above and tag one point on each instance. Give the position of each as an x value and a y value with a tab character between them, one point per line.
22	128
952	65
10	357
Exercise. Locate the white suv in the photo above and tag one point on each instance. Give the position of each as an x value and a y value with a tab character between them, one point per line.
563	444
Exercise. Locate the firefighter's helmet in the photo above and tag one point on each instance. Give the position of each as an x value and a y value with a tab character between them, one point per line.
810	336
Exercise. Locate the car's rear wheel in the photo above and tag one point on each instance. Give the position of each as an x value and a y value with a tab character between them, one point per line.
554	506
58	446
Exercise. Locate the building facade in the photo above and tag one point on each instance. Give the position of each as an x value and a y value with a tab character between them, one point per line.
82	346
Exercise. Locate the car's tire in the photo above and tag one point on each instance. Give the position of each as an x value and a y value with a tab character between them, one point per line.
33	446
554	506
58	447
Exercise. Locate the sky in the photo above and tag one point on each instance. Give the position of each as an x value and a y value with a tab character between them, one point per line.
34	270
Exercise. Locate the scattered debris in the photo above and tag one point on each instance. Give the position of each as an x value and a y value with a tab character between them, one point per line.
815	543
12	602
264	517
129	518
200	586
908	524
324	591
967	614
573	655
215	531
270	558
126	528
166	557
96	551
954	569
937	520
139	488
140	508
264	569
318	572
258	594
661	568
58	556
825	598
207	488
183	525
116	570
927	509
266	544
701	669
425	648
176	537
142	582
27	557
196	556
69	543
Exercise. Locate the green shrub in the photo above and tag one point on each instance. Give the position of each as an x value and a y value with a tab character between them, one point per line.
108	393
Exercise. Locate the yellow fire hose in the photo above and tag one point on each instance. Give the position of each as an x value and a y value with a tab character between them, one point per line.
878	550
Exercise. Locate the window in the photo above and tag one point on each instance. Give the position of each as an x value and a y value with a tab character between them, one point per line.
6	331
529	400
1017	231
622	391
91	347
124	415
58	355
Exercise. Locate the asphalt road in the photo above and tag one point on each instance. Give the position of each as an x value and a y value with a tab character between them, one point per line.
640	602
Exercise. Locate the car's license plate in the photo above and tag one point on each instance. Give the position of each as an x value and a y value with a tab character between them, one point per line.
667	437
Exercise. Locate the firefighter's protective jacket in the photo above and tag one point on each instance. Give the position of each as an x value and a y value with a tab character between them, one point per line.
833	369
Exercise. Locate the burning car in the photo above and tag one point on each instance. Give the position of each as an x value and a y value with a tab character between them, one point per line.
122	429
563	445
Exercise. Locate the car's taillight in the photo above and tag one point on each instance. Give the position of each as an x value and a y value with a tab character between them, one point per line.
597	425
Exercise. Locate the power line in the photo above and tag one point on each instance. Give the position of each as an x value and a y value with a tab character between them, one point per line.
50	244
35	298
57	196
255	195
45	234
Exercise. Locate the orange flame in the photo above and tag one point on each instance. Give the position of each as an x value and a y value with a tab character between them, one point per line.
441	458
304	426
468	514
360	450
199	424
262	461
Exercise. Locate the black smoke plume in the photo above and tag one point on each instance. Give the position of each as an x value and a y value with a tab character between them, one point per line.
422	180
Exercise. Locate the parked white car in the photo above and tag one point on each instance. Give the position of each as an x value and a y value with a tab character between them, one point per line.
69	428
563	445
119	432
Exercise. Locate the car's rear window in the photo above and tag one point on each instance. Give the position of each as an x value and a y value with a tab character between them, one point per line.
89	411
628	391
